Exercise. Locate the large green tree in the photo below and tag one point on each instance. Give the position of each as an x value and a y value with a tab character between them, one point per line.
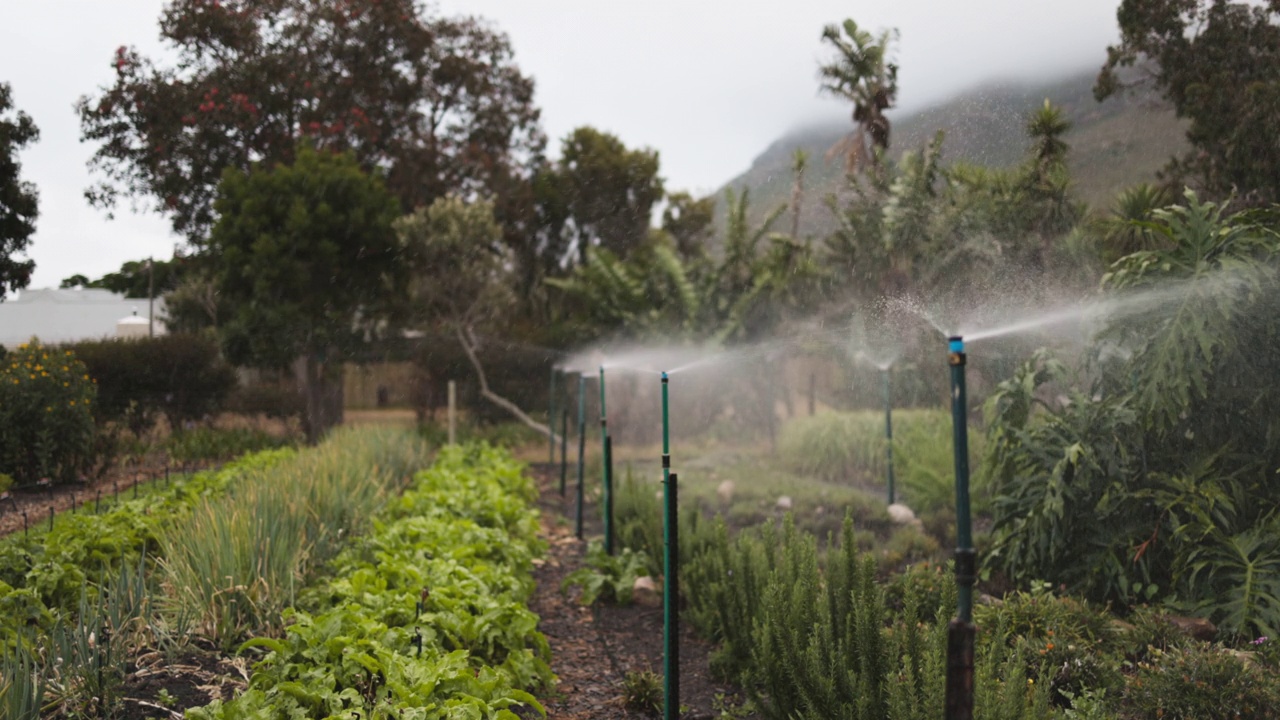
608	190
1218	63
18	201
690	222
436	103
306	261
462	278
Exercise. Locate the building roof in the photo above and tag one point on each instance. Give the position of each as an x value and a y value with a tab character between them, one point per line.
69	315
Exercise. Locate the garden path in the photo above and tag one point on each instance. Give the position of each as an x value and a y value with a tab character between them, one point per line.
594	649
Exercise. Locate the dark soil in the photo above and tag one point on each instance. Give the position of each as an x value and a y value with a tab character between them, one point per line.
162	686
594	649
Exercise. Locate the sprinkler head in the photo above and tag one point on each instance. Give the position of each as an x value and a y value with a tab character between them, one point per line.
664	377
955	350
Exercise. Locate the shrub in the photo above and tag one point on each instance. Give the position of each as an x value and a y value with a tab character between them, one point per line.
46	417
607	577
182	377
1201	682
207	443
642	691
274	400
1072	645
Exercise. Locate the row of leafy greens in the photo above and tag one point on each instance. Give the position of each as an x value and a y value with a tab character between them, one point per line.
425	617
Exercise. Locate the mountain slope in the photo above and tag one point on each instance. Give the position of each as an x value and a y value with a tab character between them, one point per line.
1113	144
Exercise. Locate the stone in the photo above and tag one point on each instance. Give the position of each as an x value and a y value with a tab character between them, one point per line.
1198	628
725	491
644	591
784	502
901	514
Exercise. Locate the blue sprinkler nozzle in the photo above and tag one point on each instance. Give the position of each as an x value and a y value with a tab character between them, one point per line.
955	344
664	376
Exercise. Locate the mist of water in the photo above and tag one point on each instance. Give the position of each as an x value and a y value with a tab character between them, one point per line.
1089	314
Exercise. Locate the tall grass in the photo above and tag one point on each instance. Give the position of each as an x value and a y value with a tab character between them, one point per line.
236	564
849	447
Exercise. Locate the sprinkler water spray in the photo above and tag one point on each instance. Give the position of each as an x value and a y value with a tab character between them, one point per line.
670	574
606	470
886	374
960	633
582	449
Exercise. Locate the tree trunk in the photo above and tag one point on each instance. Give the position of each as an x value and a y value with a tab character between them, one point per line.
320	384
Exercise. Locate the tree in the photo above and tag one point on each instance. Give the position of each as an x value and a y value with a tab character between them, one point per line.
460	266
461	276
609	191
436	103
306	260
137	278
690	223
18	200
862	74
1218	63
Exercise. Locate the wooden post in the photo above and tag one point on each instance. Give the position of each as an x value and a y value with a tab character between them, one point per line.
813	392
453	412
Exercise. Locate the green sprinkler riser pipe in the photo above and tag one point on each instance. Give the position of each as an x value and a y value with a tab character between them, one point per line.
604	470
961	631
670	574
564	447
888	432
965	566
582	450
551	419
608	495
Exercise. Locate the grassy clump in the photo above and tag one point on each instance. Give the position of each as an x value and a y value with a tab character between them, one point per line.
849	448
237	563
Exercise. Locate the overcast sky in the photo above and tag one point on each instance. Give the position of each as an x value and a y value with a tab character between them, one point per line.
707	83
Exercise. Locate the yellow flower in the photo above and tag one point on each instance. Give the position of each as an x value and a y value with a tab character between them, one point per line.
73	403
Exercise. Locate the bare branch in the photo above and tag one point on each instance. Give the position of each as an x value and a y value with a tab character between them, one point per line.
467	338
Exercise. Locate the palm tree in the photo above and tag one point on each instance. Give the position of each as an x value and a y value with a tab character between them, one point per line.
1123	230
1045	127
862	74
